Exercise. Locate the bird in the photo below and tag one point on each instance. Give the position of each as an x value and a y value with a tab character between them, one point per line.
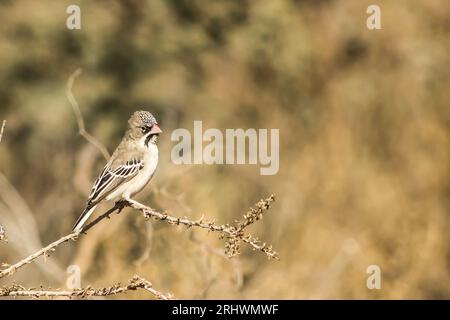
129	169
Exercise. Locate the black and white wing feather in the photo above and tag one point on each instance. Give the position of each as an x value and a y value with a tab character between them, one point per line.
111	177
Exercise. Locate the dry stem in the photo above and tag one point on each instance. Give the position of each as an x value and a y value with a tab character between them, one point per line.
2	230
76	109
1	130
135	283
234	234
11	269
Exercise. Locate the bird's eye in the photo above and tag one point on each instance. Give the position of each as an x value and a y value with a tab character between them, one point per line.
144	129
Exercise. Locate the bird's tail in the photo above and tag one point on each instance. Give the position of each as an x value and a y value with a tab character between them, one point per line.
83	217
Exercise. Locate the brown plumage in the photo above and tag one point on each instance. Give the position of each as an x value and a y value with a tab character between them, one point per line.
131	166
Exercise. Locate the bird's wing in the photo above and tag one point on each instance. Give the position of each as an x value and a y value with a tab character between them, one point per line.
124	165
112	176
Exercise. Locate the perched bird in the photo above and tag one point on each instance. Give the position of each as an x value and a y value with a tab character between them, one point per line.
130	167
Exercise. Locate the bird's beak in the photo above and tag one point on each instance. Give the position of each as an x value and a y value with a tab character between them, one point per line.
155	129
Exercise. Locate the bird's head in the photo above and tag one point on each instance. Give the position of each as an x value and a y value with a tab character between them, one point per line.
143	124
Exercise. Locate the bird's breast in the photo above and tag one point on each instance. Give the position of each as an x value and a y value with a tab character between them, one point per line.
146	173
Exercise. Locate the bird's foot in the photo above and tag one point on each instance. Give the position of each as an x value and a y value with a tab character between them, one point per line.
132	203
121	204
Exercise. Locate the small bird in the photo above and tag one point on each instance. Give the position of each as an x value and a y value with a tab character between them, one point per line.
130	167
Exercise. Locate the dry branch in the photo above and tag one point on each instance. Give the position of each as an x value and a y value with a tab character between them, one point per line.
234	234
11	269
80	121
135	283
1	130
2	230
44	251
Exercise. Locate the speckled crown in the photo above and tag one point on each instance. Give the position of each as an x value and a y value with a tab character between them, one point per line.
142	117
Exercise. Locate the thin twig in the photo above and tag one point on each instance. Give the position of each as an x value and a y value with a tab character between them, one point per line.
1	130
11	269
44	251
135	283
2	230
234	234
76	109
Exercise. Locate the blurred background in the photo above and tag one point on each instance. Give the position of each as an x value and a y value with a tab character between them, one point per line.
364	123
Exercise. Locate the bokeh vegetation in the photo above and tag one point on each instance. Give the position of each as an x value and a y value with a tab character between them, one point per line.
364	142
